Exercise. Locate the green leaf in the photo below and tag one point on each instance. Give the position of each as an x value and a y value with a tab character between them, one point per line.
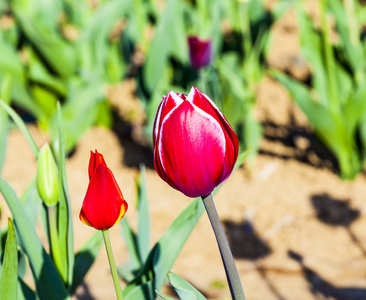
161	258
328	126
354	108
5	95
10	64
21	125
85	258
130	239
94	39
31	202
184	289
76	105
166	42
312	51
9	272
143	227
45	37
25	292
47	279
143	291
65	227
164	296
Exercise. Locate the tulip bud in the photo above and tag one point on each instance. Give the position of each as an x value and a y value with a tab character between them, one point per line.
103	205
47	176
200	52
195	148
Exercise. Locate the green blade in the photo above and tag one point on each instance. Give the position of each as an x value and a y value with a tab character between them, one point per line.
85	258
21	125
5	92
47	279
65	213
9	272
143	228
184	289
161	258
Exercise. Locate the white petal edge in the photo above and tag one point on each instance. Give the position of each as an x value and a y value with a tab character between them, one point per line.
205	115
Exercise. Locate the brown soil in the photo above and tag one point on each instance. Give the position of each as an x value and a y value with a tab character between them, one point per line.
296	229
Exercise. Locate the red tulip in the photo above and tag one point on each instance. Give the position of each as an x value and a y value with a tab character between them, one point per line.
195	148
200	52
103	205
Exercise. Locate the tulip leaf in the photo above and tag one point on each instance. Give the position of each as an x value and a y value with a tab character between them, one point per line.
132	248
161	258
328	126
22	127
47	279
143	235
25	292
312	51
5	95
32	203
10	64
167	41
57	52
9	271
144	291
64	210
76	106
85	258
183	288
164	296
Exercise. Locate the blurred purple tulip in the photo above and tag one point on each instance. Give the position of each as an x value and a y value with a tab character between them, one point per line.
200	52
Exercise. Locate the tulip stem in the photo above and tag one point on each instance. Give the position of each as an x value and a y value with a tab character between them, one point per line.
55	244
232	275
112	264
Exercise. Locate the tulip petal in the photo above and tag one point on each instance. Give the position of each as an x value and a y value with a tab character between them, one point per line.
170	102
206	104
95	160
104	204
190	141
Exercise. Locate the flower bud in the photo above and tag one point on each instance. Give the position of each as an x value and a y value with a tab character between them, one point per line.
195	148
200	52
103	205
47	176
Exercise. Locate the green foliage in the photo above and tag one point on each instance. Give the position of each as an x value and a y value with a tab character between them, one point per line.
183	288
9	271
50	282
334	104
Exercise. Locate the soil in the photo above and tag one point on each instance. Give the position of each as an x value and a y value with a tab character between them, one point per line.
296	230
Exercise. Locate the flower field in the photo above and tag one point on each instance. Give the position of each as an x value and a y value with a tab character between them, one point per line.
294	225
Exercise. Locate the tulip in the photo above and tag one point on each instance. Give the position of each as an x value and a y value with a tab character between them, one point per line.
103	205
200	52
195	148
47	176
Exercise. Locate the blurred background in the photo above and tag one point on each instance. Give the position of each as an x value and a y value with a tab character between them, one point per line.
289	76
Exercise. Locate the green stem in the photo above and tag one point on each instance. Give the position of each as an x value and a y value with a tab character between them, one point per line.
112	264
55	244
232	275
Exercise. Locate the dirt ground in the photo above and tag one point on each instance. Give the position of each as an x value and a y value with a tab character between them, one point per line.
296	230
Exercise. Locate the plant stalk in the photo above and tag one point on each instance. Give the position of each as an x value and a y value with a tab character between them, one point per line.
236	289
55	244
112	264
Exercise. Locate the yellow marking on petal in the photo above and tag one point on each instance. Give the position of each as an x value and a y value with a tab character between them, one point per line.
124	207
84	220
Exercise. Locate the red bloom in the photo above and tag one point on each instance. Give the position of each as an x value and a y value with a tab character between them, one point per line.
200	52
103	205
195	148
